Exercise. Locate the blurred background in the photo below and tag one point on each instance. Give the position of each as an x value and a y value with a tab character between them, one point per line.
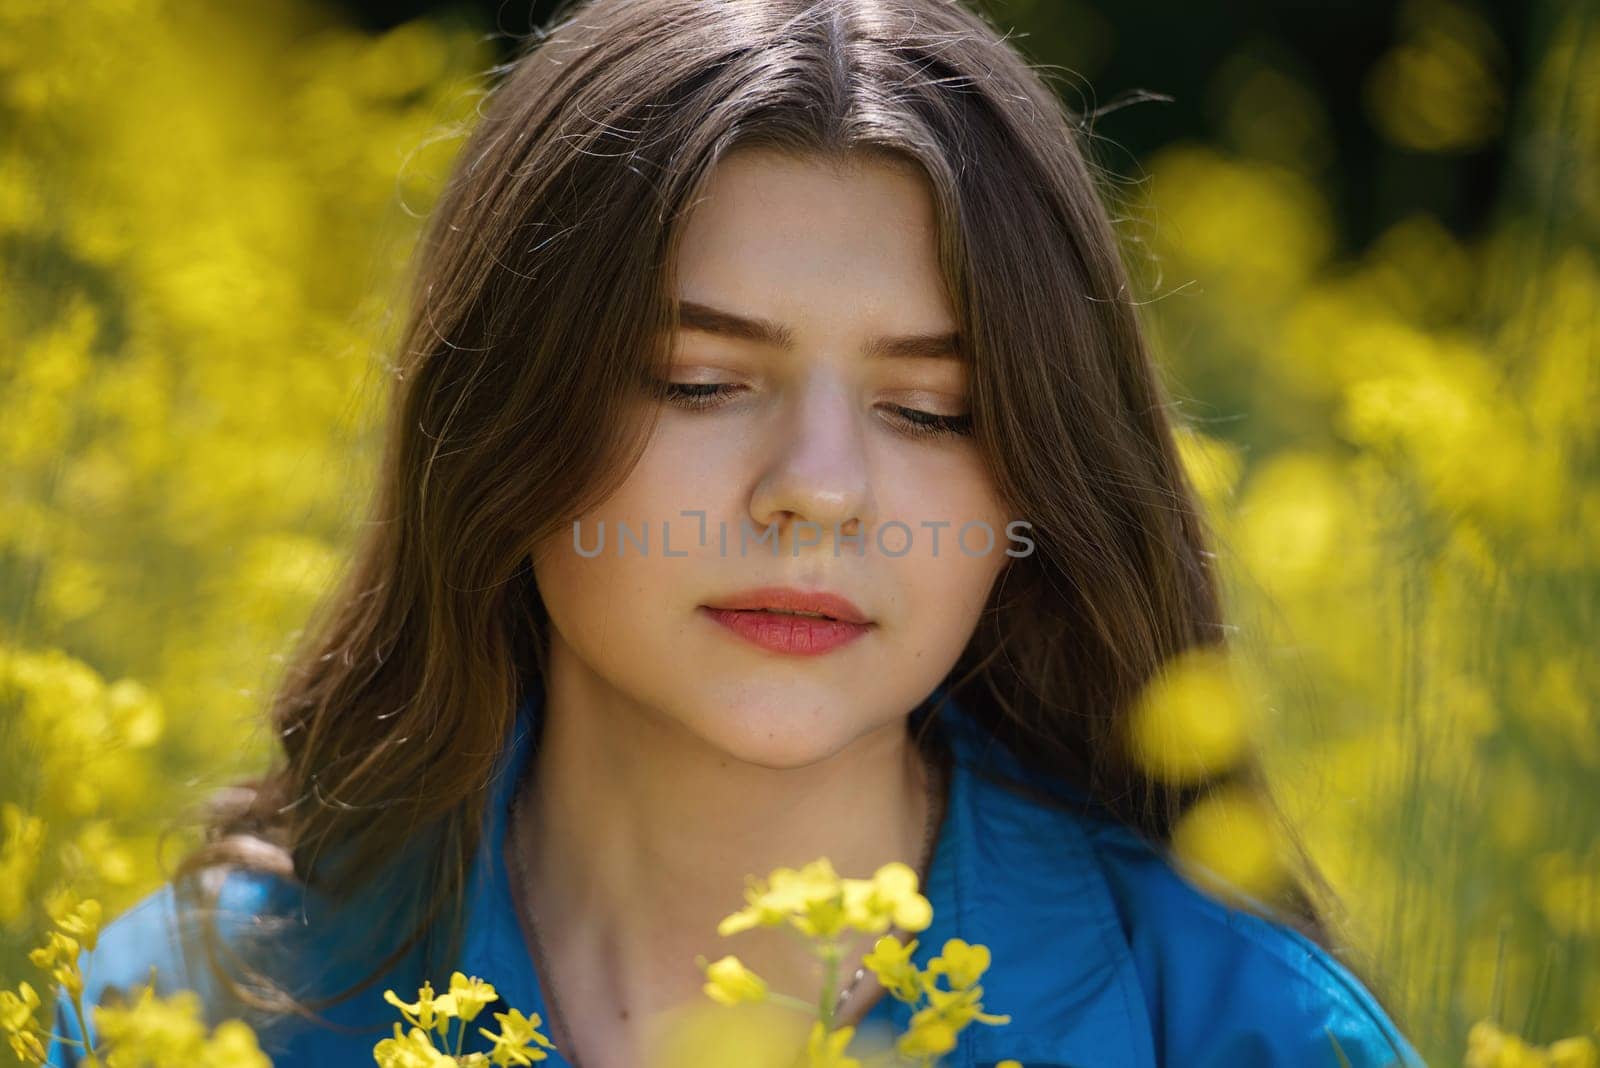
1366	237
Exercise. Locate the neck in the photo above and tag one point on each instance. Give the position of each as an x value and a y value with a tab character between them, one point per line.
638	838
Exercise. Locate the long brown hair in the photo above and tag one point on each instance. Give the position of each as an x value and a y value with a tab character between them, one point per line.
543	288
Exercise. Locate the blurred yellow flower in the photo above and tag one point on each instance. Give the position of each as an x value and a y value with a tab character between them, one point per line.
1490	1047
960	963
1212	465
730	982
1403	459
21	836
890	897
1255	230
825	1049
930	1035
59	957
750	1034
1438	89
168	1032
933	1029
1192	719
820	904
1297	527
22	1028
1567	890
75	916
1228	844
890	961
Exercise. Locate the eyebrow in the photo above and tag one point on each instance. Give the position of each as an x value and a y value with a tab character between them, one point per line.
693	315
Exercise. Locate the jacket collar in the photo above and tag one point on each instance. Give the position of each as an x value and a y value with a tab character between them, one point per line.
1016	875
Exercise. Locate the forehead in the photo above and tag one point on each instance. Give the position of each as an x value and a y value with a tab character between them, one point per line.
810	242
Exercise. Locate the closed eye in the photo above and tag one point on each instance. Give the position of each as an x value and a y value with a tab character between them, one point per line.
704	396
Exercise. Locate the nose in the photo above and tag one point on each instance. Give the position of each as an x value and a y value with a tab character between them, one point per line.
816	469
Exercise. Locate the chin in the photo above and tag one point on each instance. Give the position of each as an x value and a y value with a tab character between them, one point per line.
777	731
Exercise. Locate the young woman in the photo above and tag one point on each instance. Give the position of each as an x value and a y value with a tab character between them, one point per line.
817	299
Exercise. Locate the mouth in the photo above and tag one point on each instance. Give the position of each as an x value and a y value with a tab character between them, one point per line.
790	621
788	601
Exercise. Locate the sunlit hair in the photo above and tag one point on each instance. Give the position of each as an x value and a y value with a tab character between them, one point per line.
543	292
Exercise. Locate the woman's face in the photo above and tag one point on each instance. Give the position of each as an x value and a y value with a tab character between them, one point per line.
792	413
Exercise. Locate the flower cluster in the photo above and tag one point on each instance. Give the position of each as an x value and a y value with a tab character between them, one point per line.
142	1032
1490	1047
816	902
76	924
518	1041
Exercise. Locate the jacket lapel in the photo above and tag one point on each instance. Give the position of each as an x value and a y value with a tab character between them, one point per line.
1008	872
1022	879
493	945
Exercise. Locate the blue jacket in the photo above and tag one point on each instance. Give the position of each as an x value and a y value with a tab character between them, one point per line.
1103	955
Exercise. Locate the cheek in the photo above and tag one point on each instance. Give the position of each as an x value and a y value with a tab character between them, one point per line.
691	463
586	594
952	488
944	587
624	610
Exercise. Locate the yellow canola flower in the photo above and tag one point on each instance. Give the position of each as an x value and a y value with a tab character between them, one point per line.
963	1006
77	918
514	1044
933	1029
59	957
825	1049
889	897
930	1035
961	962
410	1049
816	901
468	996
890	961
729	982
465	1000
820	904
787	891
21	1027
428	1012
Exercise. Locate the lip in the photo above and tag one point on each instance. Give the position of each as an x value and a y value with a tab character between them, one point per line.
755	615
791	599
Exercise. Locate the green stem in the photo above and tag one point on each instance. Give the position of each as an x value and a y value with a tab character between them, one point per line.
789	1000
83	1025
461	1034
830	978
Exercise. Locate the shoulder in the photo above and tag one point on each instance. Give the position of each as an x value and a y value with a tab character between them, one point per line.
165	932
1227	986
159	942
